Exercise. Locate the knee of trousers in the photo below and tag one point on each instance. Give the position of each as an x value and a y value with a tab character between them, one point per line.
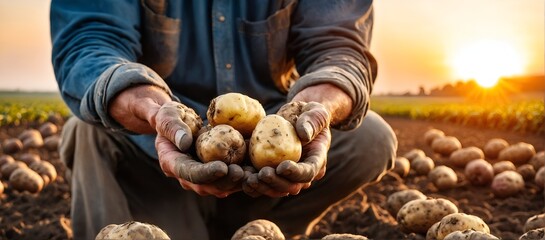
366	153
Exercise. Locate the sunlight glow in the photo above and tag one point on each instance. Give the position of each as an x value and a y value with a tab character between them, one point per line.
486	61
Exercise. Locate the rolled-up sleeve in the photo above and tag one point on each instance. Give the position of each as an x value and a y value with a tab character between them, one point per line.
330	42
95	48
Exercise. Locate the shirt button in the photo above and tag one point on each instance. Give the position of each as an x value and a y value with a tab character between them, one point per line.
221	18
228	66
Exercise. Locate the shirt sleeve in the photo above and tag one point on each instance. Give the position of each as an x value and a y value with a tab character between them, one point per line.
95	49
330	42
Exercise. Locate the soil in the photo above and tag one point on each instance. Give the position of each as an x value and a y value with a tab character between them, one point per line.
46	215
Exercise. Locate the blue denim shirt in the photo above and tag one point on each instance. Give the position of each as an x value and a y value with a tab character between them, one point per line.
197	50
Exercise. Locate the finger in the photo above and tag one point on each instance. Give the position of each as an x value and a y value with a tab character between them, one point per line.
169	124
232	181
310	123
279	184
246	185
167	153
145	109
263	188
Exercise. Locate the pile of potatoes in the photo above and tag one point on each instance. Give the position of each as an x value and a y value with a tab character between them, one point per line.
239	127
503	167
26	171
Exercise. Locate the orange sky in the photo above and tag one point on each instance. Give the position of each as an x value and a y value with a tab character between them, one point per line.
415	42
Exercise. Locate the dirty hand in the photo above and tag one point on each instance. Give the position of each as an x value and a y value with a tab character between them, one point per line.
289	177
174	124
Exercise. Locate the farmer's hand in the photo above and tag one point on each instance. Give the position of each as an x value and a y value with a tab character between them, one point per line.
174	137
289	177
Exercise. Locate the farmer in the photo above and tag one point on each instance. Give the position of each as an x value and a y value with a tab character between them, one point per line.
117	62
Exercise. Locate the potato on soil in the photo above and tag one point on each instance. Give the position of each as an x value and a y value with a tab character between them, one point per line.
259	227
422	165
443	177
540	178
132	230
402	166
47	129
461	157
445	145
344	236
479	172
535	222
31	138
46	170
536	234
1	187
273	141
237	110
396	200
503	166
12	145
291	111
527	172
8	168
414	153
431	234
493	147
29	133
52	143
6	159
29	158
223	143
24	179
519	153
538	160
419	215
469	234
432	134
507	184
460	222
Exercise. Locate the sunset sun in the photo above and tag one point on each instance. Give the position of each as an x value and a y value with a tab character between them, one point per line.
486	62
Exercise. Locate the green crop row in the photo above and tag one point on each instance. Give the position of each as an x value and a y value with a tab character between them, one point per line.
17	109
520	116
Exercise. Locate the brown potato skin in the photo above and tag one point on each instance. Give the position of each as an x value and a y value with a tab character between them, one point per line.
24	179
413	154
493	147
443	177
419	215
461	157
402	166
8	168
396	200
527	172
259	227
538	160
519	153
12	145
446	145
535	222
479	172
503	166
422	165
540	178
432	134
507	184
223	143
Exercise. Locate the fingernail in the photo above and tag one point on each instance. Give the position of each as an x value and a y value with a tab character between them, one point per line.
182	140
308	129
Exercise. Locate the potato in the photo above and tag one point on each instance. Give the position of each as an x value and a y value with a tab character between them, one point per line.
47	129
1	188
538	160
431	234
29	158
493	147
396	200
540	178
459	222
536	234
46	170
469	234
535	222
223	143
527	172
291	111
6	159
8	168
503	166
131	230
253	237
24	179
52	143
445	145
273	141
414	153
259	227
401	166
479	172
507	184
344	236
432	134
461	157
422	165
443	177
519	153
419	215
32	140
237	110
12	145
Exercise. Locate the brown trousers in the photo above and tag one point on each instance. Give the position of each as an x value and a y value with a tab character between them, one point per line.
115	182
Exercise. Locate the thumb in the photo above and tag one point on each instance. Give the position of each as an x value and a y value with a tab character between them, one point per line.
313	119
168	123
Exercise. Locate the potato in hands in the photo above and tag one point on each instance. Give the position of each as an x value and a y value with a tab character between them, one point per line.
223	143
237	110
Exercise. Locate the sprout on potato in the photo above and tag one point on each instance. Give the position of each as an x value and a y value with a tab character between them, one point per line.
223	143
402	166
443	177
479	172
507	184
493	147
463	156
446	145
519	153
